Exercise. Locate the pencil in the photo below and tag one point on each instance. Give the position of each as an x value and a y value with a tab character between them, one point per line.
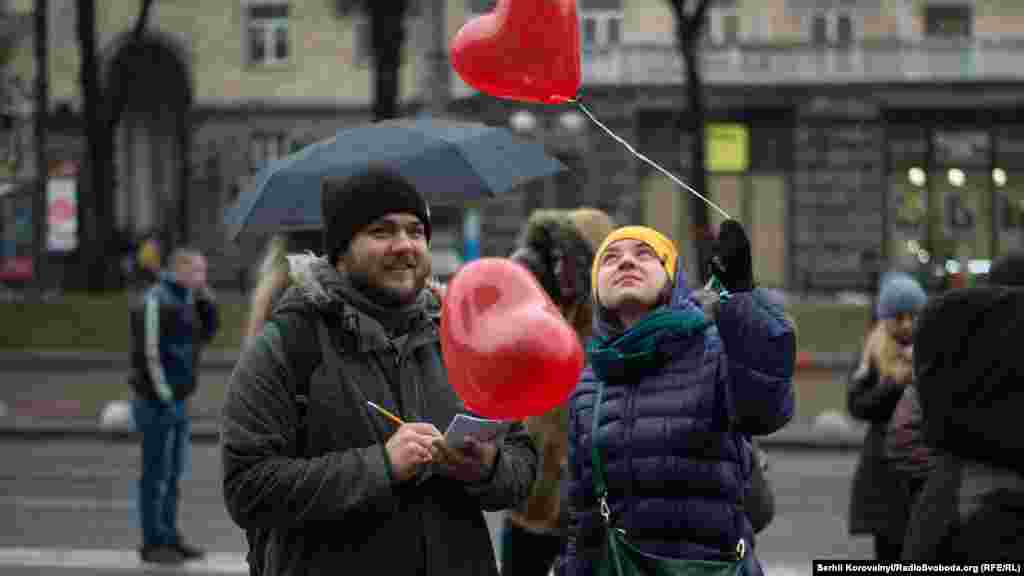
389	415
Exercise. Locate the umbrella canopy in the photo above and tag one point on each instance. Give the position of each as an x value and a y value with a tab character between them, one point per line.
447	161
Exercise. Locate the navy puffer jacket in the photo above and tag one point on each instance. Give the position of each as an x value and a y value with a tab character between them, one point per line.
672	444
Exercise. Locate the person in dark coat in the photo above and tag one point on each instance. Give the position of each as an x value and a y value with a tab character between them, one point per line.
936	514
686	387
908	455
879	502
365	493
970	367
177	317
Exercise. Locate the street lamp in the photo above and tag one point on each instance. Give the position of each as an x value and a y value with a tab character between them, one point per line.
572	121
556	133
523	122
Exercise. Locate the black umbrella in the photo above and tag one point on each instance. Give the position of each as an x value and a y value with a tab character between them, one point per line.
447	161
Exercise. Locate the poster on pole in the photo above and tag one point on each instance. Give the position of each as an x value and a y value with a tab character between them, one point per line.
62	208
726	148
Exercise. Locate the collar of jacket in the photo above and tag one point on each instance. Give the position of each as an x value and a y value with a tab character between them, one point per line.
170	282
369	335
319	287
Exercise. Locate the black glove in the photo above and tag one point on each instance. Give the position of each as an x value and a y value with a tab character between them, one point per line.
730	258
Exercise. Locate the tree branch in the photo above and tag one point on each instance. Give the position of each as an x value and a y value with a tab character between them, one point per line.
344	8
142	20
678	10
697	20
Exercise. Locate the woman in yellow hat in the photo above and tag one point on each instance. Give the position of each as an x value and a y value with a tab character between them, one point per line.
672	393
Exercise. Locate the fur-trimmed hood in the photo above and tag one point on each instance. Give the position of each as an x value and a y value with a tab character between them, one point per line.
549	241
313	284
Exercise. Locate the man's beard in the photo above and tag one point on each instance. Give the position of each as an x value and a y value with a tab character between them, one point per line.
380	295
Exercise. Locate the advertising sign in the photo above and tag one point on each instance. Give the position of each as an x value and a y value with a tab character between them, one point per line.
62	204
727	148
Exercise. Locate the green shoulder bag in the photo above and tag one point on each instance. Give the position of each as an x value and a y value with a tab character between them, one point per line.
621	558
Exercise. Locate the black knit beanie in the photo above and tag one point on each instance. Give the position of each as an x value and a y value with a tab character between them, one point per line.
349	205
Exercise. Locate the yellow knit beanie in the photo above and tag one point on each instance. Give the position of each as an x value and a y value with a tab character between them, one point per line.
149	254
661	245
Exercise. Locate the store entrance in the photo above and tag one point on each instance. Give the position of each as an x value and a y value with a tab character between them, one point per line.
955	201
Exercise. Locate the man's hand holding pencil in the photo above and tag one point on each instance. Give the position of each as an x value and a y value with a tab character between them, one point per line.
409	448
419	444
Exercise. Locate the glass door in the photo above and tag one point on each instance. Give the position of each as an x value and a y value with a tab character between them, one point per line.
960	208
1008	180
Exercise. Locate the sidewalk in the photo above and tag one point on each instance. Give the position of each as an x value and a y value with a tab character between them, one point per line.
226	359
828	433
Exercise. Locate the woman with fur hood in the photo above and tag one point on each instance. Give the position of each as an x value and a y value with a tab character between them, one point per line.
557	247
879	503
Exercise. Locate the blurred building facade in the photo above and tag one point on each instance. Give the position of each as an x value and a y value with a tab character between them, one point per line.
837	129
841	132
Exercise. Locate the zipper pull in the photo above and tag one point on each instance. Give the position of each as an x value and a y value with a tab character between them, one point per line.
394	349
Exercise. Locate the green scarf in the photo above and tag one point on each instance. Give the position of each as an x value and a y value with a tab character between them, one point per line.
634	352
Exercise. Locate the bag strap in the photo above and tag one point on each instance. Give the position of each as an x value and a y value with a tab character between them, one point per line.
598	474
302	352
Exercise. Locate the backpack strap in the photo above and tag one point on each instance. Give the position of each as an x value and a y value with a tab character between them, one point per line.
301	350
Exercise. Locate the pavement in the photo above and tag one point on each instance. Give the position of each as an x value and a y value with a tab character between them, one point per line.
829	431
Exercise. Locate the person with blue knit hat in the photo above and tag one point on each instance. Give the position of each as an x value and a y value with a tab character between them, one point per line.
899	293
881	495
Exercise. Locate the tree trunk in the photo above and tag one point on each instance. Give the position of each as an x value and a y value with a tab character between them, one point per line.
40	212
695	124
142	20
93	205
387	36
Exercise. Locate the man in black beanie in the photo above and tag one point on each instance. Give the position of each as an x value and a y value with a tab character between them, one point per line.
375	210
319	477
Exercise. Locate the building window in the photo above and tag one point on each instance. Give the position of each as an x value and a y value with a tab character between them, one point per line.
267	29
844	30
819	30
948	21
601	28
266	146
833	28
364	41
589	32
723	25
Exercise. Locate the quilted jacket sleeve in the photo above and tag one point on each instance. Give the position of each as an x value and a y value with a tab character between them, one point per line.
760	350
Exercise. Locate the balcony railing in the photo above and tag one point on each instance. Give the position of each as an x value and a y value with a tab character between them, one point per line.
930	60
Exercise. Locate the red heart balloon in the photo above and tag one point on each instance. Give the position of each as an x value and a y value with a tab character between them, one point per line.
508	351
525	50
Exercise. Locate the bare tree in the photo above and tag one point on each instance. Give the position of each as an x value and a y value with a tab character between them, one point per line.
690	17
102	113
387	37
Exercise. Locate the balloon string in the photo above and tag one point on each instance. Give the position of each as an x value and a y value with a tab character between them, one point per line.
654	164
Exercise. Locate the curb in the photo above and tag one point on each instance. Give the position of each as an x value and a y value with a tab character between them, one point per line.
790	439
50	360
215	359
206	431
